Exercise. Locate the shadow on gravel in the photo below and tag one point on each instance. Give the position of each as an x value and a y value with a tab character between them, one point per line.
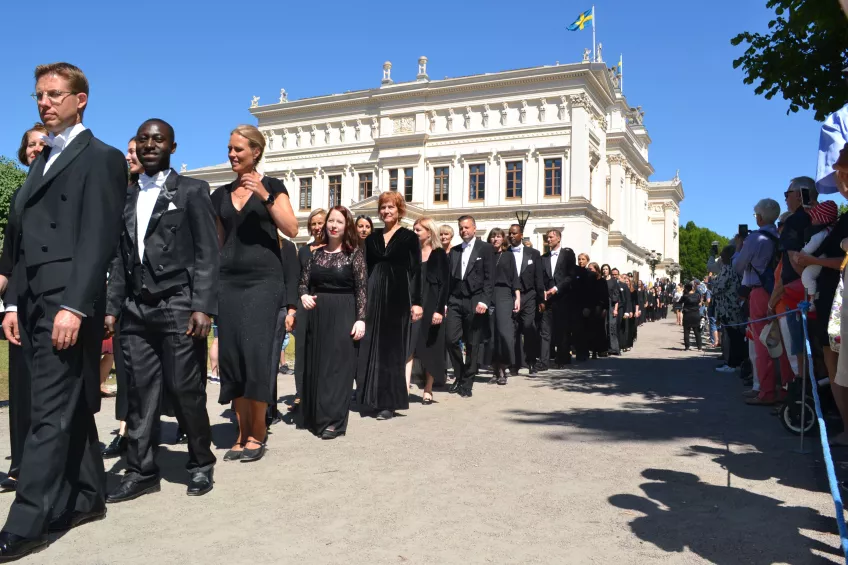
723	525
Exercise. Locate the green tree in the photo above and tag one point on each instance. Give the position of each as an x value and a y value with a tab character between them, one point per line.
695	244
11	178
801	57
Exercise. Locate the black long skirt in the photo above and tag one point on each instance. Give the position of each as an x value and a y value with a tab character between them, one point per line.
248	341
429	341
503	338
328	362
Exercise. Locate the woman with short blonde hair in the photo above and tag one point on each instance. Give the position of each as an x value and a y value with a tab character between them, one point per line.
446	236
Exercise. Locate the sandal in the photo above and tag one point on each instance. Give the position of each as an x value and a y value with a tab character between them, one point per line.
251	455
427	398
234	454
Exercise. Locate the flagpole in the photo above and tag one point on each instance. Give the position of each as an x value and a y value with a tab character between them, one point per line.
593	33
621	73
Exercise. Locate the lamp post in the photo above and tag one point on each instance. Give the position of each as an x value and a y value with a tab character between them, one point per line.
522	216
673	270
653	259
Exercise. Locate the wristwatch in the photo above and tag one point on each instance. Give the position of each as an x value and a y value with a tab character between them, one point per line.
270	199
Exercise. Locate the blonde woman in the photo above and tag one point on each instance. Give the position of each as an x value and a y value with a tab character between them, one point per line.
429	333
249	212
446	237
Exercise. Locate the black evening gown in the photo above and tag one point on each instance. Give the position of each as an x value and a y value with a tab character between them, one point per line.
393	289
252	293
598	304
304	255
430	343
328	362
506	283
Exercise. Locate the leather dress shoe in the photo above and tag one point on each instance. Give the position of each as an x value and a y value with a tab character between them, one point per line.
72	519
9	484
132	489
541	367
502	380
14	547
201	483
181	437
116	448
465	392
454	388
533	369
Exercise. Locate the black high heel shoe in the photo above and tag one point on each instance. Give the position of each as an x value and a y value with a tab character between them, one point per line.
331	434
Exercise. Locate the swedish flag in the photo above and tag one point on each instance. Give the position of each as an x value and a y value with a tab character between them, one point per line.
581	21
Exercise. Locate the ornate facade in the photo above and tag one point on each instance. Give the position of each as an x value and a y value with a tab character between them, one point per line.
560	142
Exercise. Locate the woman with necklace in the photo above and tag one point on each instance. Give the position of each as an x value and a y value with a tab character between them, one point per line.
394	301
249	211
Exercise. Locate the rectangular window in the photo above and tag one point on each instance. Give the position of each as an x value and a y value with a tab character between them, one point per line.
335	190
553	177
513	179
393	179
306	194
477	182
366	185
407	185
441	179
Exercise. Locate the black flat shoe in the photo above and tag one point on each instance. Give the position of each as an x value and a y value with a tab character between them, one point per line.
201	483
116	448
132	489
385	415
331	434
234	455
9	484
454	388
251	455
68	520
502	380
14	547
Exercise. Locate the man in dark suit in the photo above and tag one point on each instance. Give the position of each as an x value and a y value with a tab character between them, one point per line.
69	216
558	266
528	263
163	286
471	286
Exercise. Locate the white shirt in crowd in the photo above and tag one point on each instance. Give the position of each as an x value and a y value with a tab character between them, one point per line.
148	191
554	258
467	246
518	253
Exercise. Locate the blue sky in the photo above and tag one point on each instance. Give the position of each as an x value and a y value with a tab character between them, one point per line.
197	65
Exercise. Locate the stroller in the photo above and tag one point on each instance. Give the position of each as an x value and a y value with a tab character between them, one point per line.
790	412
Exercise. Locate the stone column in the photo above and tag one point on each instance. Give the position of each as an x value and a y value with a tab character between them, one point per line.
669	249
580	168
635	206
615	210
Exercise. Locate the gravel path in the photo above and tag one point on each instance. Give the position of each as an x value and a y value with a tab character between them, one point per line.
649	458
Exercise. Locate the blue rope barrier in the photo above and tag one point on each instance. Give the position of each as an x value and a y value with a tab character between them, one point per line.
796	310
828	459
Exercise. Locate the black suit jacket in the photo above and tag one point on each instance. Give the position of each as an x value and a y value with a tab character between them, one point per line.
180	247
10	255
69	221
563	278
531	274
479	275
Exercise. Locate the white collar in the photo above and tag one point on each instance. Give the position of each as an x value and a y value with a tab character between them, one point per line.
60	141
555	251
467	243
157	181
517	248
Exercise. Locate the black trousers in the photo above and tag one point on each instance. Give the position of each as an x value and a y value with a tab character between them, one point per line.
20	404
578	331
465	325
525	325
554	334
695	328
61	469
613	322
158	353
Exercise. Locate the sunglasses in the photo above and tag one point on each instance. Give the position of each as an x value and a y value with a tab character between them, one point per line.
788	192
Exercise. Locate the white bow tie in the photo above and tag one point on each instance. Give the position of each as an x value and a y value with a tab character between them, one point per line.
55	142
515	249
554	253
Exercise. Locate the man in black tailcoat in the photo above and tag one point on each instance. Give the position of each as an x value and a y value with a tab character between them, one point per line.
471	285
69	212
558	267
164	287
528	262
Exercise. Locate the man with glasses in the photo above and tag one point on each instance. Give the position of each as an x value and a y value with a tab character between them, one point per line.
70	209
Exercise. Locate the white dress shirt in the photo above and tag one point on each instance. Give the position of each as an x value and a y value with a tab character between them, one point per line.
554	258
518	253
148	191
57	143
467	247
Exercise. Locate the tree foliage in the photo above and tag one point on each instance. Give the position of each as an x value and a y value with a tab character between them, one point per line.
695	246
11	178
801	57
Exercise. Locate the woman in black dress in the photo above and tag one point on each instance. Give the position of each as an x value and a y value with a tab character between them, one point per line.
315	223
333	290
690	305
612	309
507	300
32	144
598	304
626	336
434	275
394	301
249	211
364	227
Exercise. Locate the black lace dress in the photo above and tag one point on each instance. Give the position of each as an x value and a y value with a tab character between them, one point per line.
329	353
